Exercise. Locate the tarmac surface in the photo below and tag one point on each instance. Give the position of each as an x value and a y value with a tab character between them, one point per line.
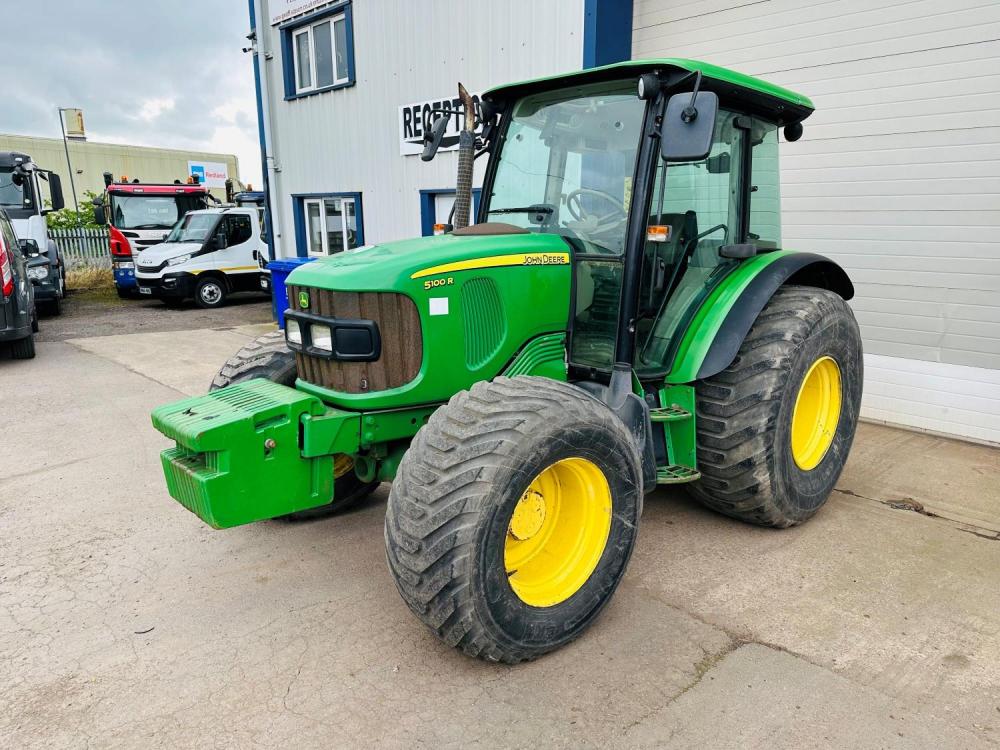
85	316
126	622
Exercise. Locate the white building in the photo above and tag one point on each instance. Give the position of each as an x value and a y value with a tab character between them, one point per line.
897	176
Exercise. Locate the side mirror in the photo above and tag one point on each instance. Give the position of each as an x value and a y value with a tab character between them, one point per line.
29	248
688	126
100	215
432	138
220	240
55	192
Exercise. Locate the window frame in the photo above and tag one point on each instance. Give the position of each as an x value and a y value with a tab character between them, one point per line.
292	30
303	240
305	31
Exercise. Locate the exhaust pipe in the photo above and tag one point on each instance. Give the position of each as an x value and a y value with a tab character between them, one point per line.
466	157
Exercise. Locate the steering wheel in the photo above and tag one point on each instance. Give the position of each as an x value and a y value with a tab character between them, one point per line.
595	223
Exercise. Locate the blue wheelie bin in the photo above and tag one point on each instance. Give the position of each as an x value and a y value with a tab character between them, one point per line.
280	269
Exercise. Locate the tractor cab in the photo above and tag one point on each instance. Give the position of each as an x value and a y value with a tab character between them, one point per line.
660	193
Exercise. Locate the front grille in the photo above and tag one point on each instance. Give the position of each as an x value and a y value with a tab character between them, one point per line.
399	325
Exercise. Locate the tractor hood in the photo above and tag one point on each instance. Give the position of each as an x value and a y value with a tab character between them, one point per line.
405	265
473	303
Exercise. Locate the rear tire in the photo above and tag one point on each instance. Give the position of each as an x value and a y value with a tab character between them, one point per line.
749	467
270	358
454	526
210	293
23	348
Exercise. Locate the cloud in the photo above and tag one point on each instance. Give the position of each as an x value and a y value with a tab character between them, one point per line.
163	73
150	109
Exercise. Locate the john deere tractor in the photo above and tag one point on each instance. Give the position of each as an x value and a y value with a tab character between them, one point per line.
622	316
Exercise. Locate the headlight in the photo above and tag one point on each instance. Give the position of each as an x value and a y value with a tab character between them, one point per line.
322	338
179	259
292	332
38	273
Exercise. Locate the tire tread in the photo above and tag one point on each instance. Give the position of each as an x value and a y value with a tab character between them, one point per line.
437	498
737	410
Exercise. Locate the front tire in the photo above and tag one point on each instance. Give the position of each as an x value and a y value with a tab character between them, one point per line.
270	358
210	293
775	427
23	348
513	516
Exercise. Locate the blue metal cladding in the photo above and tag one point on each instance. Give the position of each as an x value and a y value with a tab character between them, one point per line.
607	32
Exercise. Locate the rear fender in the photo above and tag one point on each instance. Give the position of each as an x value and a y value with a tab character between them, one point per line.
721	324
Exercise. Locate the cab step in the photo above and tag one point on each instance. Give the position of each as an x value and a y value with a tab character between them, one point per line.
676	474
668	414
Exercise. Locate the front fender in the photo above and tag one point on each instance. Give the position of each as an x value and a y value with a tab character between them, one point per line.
722	322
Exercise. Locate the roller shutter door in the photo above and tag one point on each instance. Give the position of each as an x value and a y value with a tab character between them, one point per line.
897	177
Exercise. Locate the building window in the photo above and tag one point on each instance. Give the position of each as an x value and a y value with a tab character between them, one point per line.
328	224
436	205
318	52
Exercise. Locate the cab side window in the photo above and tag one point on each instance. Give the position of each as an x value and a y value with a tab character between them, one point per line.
238	229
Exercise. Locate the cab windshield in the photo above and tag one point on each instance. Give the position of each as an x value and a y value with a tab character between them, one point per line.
566	164
151	211
193	228
12	196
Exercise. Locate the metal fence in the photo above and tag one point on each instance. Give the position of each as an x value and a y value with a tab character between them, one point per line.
83	247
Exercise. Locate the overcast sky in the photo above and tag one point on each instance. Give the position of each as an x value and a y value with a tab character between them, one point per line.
164	73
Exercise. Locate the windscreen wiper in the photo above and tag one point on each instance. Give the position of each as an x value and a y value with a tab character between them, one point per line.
540	209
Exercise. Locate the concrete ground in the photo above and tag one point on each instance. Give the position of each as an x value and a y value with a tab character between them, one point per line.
87	314
125	622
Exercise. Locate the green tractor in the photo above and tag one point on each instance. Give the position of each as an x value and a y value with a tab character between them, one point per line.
622	316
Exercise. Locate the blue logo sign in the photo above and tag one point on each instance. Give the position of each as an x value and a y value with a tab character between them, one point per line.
199	169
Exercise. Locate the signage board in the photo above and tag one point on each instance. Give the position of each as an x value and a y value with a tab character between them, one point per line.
73	120
417	117
282	10
210	174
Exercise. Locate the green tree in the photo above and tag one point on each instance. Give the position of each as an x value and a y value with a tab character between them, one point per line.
66	218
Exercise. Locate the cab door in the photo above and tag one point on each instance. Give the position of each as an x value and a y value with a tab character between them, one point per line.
240	253
237	259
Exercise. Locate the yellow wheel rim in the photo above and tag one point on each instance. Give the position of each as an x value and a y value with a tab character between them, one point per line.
816	413
342	463
558	532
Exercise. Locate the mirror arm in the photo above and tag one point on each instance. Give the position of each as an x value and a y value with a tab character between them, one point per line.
690	113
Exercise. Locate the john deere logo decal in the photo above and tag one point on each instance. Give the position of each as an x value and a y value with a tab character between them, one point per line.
304	300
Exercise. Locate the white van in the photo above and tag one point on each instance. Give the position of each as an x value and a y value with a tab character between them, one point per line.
208	255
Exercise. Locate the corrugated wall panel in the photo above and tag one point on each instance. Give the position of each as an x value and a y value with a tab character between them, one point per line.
897	176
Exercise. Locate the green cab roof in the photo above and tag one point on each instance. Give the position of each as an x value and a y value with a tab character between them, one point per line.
783	104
